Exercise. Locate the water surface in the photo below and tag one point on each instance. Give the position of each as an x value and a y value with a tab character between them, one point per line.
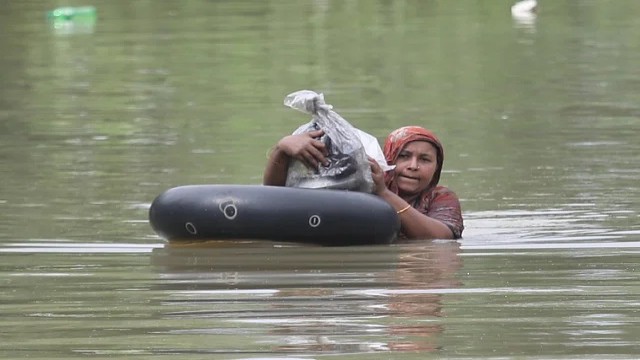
538	116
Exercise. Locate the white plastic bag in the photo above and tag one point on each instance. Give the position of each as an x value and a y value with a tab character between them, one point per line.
348	167
373	149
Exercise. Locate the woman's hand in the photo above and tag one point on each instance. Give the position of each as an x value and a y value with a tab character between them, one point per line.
378	176
306	148
303	147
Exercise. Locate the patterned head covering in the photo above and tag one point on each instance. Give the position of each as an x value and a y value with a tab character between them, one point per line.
399	138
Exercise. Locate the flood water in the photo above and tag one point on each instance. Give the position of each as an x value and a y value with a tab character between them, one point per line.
539	118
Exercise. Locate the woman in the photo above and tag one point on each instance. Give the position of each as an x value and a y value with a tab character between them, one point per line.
426	210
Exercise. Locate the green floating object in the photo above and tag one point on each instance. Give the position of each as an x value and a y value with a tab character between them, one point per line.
68	13
72	20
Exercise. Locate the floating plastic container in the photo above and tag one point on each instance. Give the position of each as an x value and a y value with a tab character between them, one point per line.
72	13
69	20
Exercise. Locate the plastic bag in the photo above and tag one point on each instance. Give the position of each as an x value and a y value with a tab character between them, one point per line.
373	149
348	167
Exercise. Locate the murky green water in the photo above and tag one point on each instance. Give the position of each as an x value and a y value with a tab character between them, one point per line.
539	120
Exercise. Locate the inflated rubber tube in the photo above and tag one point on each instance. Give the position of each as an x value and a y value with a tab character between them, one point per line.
323	217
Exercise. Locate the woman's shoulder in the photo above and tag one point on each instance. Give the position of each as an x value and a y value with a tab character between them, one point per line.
441	190
439	197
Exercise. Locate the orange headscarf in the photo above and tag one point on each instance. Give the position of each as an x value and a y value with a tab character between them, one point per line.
399	138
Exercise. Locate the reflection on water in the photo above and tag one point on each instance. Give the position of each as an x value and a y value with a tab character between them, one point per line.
309	300
262	299
225	299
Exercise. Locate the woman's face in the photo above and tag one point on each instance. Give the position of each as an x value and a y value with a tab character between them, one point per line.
415	166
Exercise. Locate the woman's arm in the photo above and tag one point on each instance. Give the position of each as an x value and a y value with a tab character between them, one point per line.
415	225
304	147
275	172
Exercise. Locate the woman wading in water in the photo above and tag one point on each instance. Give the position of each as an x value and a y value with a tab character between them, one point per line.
426	210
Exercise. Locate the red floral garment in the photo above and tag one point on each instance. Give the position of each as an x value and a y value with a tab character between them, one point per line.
442	204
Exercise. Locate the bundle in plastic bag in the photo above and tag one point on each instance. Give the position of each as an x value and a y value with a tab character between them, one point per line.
348	167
